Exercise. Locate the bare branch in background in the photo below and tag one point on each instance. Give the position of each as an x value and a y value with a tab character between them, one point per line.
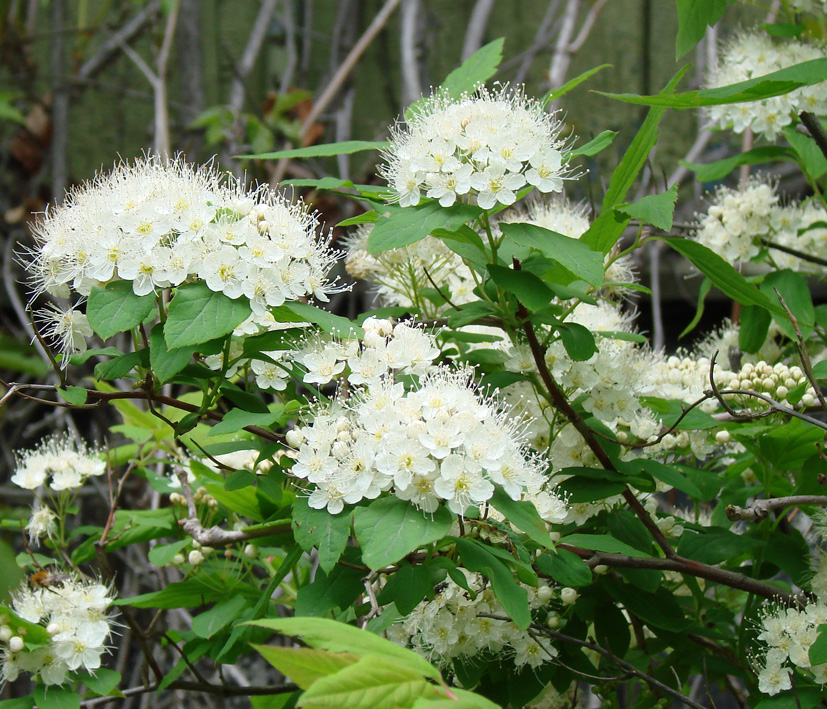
248	57
190	88
60	103
288	21
101	59
409	39
477	24
541	40
346	67
561	57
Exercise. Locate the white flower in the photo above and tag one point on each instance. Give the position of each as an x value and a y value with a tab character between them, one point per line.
487	144
68	327
68	464
42	523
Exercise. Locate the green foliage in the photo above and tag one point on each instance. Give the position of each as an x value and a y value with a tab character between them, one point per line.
116	308
198	315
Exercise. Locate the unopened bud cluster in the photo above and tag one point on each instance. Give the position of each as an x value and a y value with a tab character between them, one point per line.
776	381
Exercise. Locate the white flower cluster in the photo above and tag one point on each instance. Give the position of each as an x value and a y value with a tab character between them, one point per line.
738	220
158	224
440	442
74	614
751	55
450	625
487	145
788	634
400	276
58	460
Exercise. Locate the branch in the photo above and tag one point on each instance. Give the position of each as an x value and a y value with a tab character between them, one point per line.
563	406
794	252
816	130
216	536
475	30
250	54
609	655
687	566
760	509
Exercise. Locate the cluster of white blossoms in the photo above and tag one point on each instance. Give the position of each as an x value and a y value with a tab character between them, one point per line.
485	146
739	219
788	634
58	460
158	224
401	276
440	442
775	381
74	614
751	55
451	625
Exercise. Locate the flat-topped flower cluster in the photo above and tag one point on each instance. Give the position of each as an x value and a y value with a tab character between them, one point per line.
754	54
437	442
487	146
74	613
158	224
741	223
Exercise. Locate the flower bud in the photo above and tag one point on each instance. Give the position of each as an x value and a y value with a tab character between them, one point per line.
251	551
568	595
16	643
544	593
195	557
600	569
553	621
294	438
53	628
5	633
178	559
723	437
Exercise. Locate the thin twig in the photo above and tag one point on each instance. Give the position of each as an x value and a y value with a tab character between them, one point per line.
813	125
760	509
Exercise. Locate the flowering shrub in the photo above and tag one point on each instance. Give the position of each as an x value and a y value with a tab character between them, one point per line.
494	489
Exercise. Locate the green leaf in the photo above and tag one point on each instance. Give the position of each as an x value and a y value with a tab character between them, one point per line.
407	587
659	609
706	284
334	324
715	545
347	147
807	152
389	528
573	254
207	624
20	703
802	698
528	288
554	94
718	170
56	697
304	665
578	341
654	209
401	226
694	16
670	475
818	650
795	291
776	83
469	313
523	515
374	682
318	528
601	542
76	396
191	593
162	554
722	274
198	315
165	362
116	308
121	366
755	324
478	557
565	567
236	419
340	637
475	70
608	227
597	144
104	682
36	635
